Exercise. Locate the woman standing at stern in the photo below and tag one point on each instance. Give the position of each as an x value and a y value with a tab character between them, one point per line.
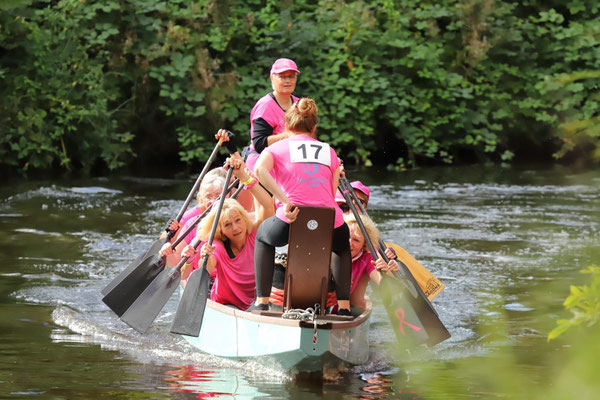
300	170
266	118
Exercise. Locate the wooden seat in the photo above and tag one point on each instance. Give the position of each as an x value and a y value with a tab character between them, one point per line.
309	255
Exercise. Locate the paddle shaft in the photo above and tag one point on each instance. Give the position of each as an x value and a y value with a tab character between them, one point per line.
345	184
190	312
157	244
347	192
148	305
422	307
199	217
196	186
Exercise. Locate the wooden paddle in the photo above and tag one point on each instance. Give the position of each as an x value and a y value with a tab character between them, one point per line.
412	315
430	285
190	312
139	265
148	305
131	287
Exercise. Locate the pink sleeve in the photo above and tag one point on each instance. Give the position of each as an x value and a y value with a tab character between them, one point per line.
190	236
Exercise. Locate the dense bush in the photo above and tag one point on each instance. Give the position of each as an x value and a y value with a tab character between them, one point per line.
401	82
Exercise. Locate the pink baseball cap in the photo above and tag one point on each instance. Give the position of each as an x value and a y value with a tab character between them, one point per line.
339	197
358	185
282	65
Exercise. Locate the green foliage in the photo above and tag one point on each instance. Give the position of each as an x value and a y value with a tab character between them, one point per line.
584	304
401	82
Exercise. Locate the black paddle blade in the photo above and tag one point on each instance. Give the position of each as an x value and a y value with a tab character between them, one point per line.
413	318
120	298
148	305
188	319
153	249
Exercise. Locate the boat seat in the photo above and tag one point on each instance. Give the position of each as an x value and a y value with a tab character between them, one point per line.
307	273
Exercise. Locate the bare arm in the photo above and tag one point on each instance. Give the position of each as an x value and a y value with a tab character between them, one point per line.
375	276
262	170
189	251
265	202
357	297
276	138
266	208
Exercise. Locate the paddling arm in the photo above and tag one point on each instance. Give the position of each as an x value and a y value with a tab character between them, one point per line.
382	267
172	257
357	297
207	250
266	207
262	170
223	135
390	253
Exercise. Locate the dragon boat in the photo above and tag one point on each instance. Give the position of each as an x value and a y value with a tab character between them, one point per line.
306	344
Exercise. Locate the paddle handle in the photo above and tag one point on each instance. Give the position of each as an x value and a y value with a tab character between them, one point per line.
204	171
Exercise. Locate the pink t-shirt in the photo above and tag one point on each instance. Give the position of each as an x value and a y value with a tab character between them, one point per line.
235	282
189	214
190	236
304	167
269	110
361	266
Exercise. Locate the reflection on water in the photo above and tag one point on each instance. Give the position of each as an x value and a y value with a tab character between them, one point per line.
206	383
379	386
496	237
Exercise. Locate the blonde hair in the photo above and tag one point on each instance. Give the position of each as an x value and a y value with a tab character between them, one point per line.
229	206
370	227
302	116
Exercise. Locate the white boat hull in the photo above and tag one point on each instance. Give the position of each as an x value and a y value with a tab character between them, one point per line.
231	333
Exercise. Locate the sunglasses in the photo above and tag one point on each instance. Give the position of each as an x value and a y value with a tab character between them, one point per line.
345	207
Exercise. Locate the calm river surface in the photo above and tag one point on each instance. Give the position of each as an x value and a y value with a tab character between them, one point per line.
506	242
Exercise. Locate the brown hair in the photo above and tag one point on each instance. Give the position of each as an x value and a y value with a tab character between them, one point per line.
302	116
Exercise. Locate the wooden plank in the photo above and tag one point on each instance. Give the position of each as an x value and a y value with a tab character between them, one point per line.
309	256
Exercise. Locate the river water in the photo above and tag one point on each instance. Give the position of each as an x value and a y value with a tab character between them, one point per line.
507	243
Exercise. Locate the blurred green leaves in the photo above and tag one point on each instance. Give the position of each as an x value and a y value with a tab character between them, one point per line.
584	304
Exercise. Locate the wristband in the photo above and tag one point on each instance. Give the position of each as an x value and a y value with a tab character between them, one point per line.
248	187
248	181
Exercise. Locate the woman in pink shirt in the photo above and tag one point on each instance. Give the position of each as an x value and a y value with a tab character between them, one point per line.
364	268
231	256
300	170
266	118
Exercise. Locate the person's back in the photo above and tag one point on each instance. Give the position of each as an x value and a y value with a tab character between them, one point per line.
300	170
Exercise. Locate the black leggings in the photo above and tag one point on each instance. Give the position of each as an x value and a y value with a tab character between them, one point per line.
273	232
